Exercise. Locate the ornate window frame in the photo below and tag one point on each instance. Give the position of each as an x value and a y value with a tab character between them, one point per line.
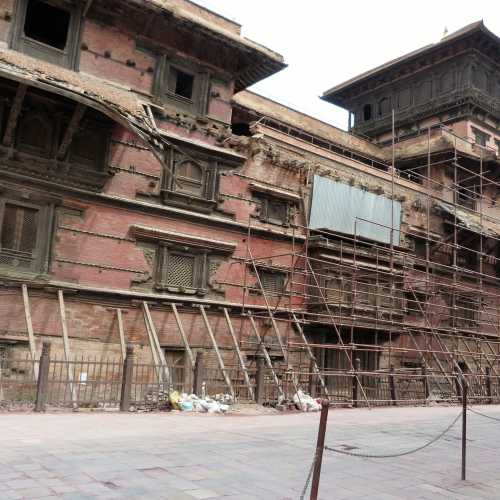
203	252
11	261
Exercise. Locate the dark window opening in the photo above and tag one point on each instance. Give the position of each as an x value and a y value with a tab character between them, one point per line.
241	129
47	24
181	83
480	137
367	112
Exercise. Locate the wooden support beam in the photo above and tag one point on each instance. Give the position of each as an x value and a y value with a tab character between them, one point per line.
87	7
15	111
183	335
266	355
29	327
238	352
71	131
155	345
67	351
121	332
217	351
311	355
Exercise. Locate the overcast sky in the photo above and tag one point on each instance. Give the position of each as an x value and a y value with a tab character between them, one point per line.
326	42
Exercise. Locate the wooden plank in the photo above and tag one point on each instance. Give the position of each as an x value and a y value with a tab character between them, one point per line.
29	327
15	111
217	352
67	351
238	352
312	357
156	345
121	332
71	131
266	355
183	335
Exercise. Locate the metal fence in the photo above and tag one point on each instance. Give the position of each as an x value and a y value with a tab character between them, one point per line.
92	383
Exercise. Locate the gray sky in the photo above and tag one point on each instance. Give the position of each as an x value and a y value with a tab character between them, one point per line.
326	42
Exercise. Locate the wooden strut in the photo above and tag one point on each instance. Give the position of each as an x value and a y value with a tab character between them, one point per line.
67	352
183	335
238	352
15	111
121	332
337	332
29	327
216	349
312	357
266	355
156	350
71	131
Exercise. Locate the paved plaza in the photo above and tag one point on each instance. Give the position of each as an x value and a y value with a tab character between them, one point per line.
188	456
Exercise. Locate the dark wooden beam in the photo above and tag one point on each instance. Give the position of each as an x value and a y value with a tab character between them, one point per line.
15	111
70	131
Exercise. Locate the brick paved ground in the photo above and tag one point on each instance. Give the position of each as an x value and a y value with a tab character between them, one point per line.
79	456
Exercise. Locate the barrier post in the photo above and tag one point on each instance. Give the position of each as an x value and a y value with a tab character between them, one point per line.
392	386
464	426
320	446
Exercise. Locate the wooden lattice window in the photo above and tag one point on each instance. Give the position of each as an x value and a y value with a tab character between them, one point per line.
275	211
466	311
273	282
24	229
182	270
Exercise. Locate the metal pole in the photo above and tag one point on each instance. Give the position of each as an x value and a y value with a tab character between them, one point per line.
320	445
464	426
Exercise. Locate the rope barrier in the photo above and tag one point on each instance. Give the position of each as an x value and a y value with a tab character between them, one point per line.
401	454
308	480
483	414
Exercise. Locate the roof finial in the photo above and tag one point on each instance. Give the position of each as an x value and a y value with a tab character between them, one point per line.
445	32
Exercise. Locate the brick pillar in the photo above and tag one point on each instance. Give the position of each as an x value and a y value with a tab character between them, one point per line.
260	382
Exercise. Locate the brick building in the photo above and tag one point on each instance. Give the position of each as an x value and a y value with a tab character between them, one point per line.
140	181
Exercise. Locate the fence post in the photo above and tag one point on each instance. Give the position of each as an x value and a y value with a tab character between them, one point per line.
320	446
426	384
199	374
312	379
260	382
392	386
128	374
355	382
464	426
488	385
43	378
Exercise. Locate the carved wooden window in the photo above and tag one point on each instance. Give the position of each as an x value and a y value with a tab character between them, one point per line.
384	106
36	134
190	180
273	282
367	112
24	235
479	78
182	86
338	291
275	211
447	82
182	269
480	138
423	92
466	311
404	98
48	29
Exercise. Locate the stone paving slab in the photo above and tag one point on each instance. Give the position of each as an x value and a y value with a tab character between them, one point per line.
197	457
